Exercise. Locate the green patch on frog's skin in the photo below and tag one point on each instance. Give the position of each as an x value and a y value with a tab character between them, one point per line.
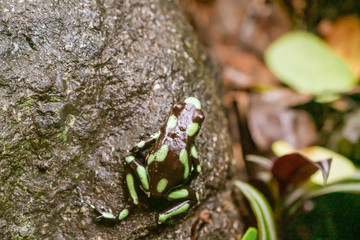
131	187
129	159
162	185
155	135
123	214
69	123
184	160
160	155
192	129
172	121
194	152
150	159
198	168
143	177
179	194
56	99
181	209
194	101
140	144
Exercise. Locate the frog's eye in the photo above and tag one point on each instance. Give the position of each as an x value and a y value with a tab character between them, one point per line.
178	107
198	116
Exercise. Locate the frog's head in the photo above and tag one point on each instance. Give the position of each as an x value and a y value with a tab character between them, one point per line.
197	113
194	101
188	113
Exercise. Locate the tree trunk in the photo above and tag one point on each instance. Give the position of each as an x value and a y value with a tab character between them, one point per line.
80	83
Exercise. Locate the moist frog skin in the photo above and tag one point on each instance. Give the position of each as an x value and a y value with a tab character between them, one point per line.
169	167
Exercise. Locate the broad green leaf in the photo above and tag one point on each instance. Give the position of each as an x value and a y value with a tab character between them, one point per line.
281	148
262	210
341	167
304	62
327	98
250	234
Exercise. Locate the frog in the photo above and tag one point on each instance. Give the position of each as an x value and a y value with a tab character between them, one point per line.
170	165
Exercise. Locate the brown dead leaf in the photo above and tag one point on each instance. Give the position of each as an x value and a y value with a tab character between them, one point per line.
215	21
343	36
271	118
351	129
205	215
237	33
241	70
235	135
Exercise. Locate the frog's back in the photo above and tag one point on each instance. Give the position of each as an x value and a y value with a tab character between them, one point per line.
169	163
165	169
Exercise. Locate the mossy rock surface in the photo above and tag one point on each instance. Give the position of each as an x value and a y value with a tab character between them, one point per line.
80	83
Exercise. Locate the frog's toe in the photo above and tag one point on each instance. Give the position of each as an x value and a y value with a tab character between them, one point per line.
103	215
106	216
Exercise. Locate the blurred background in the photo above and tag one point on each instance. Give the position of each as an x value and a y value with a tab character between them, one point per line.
290	71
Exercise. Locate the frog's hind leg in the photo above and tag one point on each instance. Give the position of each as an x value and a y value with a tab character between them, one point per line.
184	198
108	215
134	170
137	170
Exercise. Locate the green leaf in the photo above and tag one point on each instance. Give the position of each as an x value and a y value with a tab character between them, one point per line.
262	210
341	167
281	148
262	161
339	187
309	191
304	62
250	234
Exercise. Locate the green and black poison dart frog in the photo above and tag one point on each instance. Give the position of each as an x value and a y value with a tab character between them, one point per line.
170	165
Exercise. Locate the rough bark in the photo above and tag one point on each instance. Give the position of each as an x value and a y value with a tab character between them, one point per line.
80	83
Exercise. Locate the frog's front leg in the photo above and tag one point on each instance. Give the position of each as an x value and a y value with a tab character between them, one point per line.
144	144
185	198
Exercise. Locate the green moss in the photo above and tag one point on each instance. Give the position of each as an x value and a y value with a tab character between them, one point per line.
55	99
69	122
24	228
27	104
63	135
